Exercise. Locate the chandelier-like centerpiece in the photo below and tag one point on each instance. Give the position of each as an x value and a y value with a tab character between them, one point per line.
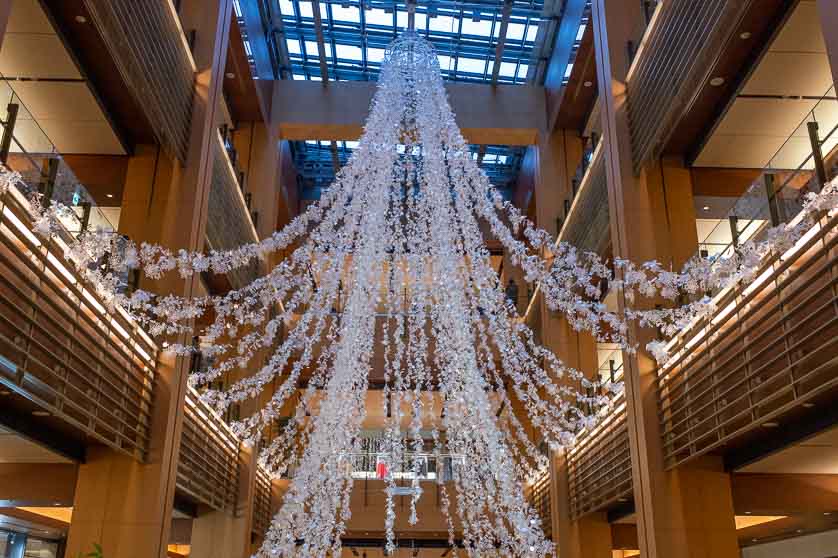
389	284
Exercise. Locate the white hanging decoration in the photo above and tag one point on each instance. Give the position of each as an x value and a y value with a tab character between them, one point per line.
390	283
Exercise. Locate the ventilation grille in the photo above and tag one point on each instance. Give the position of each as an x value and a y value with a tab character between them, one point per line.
587	225
228	221
148	48
672	64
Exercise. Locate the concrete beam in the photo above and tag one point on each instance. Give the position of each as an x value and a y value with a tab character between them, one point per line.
486	114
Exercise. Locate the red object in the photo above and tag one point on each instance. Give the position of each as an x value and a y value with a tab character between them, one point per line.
381	469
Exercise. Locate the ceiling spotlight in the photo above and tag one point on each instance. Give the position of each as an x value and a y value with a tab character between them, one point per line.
717	81
747	513
588	83
799	531
770	424
230	75
40	413
745	35
827	513
108	195
706	208
81	19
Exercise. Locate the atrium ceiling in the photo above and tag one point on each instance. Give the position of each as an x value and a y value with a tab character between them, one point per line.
481	41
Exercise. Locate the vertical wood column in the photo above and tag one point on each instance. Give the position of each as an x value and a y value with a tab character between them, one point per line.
221	534
585	537
676	514
124	505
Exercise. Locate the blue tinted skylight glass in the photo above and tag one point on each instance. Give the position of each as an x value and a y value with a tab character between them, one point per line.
311	49
349	14
514	31
348	52
507	69
532	32
581	31
293	46
482	28
442	23
377	16
471	65
286	7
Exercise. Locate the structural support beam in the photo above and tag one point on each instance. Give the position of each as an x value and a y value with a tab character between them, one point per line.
486	114
37	484
121	503
686	511
784	494
560	58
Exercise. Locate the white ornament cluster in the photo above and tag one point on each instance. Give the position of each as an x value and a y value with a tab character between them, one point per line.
389	276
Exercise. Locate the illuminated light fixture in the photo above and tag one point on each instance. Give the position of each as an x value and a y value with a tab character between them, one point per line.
706	208
588	83
745	35
81	19
770	424
108	195
717	81
745	521
230	75
41	413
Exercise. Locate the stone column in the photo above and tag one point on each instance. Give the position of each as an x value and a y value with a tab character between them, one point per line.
687	511
125	505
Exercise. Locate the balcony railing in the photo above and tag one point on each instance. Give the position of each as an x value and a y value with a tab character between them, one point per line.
538	495
150	50
772	348
599	465
61	347
208	468
587	222
229	223
262	503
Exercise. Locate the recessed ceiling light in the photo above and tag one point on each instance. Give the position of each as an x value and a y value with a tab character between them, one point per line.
706	208
754	540
745	35
717	81
40	413
588	83
827	513
770	424
230	75
747	513
808	405
81	19
799	531
108	195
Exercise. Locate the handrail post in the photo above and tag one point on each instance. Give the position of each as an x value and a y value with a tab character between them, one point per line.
8	131
817	154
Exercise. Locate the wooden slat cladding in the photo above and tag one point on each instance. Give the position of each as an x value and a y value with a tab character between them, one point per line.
673	62
62	348
262	503
228	221
538	496
770	351
148	47
208	467
599	466
587	224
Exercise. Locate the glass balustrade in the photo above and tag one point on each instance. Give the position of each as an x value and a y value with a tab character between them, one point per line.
44	171
776	196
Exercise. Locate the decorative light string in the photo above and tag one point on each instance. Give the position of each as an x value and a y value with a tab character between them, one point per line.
390	283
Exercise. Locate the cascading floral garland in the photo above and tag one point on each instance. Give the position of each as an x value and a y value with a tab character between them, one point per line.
390	277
